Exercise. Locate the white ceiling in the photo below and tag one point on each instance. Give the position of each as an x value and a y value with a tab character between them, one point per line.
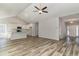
54	10
11	9
25	10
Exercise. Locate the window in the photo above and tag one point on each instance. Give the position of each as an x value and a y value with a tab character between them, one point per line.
3	30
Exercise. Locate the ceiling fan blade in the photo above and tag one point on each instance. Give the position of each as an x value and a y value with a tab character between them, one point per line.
45	11
36	7
44	8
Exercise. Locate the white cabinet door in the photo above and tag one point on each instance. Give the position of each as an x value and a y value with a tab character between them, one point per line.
18	35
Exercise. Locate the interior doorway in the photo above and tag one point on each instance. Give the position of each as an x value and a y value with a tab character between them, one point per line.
35	29
73	33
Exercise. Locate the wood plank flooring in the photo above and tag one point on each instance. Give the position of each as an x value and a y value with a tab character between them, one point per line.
33	46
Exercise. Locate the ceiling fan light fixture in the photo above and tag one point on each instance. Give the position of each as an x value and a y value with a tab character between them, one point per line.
40	12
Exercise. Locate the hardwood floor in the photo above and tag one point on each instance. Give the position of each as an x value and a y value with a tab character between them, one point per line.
33	46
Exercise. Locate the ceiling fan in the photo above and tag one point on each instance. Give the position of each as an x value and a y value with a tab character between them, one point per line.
41	10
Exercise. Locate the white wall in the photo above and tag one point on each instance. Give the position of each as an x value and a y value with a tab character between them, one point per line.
12	23
49	28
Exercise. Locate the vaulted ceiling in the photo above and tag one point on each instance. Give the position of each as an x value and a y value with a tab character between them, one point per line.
54	10
11	9
25	12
